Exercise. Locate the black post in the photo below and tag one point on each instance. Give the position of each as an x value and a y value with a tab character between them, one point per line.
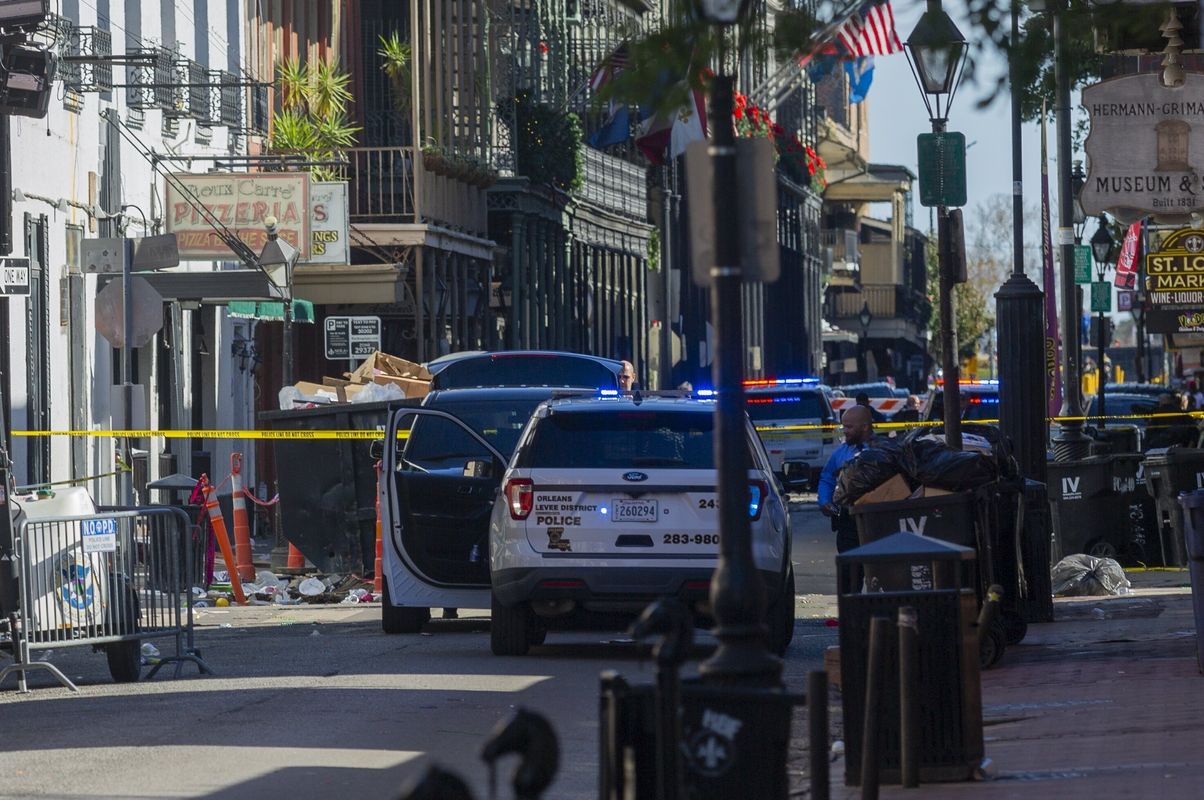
875	674
817	733
952	387
909	699
737	594
1070	444
1019	311
8	570
1103	345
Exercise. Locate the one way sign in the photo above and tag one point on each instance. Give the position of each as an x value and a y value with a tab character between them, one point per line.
14	276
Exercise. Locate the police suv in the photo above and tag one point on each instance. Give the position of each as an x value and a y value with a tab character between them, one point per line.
795	421
609	503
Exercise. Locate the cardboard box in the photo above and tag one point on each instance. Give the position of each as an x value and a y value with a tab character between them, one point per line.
383	364
409	386
893	490
832	665
933	491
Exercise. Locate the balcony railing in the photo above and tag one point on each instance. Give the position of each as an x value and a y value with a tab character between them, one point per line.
843	242
885	302
381	184
614	184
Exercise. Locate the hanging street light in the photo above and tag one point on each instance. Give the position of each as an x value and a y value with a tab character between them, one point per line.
936	52
722	12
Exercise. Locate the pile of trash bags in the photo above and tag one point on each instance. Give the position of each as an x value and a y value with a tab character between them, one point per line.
1088	576
922	459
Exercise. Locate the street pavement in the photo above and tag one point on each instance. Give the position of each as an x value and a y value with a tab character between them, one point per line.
315	701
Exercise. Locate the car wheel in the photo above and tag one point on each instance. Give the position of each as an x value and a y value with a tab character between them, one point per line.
509	628
780	618
400	619
1101	549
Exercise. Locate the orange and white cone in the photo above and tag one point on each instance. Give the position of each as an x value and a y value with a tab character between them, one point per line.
296	559
242	528
223	541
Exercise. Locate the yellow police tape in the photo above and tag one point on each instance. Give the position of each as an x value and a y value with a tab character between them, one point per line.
787	431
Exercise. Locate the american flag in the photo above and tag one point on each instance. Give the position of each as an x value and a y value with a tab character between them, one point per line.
870	31
610	67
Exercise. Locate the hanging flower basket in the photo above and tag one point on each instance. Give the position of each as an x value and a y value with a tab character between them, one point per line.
433	161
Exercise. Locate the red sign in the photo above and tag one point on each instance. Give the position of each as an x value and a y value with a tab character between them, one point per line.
1126	265
239	202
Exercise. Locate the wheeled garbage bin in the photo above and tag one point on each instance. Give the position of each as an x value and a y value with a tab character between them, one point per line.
1168	472
1193	513
1086	509
328	486
951	739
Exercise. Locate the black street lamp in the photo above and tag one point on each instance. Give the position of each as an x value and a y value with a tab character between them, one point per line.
936	51
737	591
1019	314
865	318
1103	249
1078	179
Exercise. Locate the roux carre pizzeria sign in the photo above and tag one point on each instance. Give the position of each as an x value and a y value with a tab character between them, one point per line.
1145	152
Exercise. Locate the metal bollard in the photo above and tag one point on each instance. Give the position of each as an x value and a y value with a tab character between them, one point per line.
909	712
671	618
817	730
875	675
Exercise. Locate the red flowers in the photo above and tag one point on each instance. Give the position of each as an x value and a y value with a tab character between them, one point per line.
799	161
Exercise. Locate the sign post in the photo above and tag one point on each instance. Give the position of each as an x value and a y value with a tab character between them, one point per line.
351	338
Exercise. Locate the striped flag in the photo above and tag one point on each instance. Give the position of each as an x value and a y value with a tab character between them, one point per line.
870	31
610	67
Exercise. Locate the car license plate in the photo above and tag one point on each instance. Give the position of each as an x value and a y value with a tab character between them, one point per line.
634	510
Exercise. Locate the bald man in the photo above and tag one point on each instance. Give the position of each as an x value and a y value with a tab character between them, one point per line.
858	425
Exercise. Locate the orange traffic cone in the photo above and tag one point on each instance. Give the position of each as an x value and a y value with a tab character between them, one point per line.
223	541
242	529
296	559
378	567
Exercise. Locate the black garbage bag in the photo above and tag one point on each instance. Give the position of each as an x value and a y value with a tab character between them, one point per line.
929	462
1088	576
868	470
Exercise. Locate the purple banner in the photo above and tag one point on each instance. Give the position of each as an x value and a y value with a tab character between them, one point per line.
1053	344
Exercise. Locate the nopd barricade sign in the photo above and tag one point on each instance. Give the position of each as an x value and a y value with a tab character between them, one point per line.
1174	282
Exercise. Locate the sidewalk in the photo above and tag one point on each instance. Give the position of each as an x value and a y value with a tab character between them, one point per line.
1104	702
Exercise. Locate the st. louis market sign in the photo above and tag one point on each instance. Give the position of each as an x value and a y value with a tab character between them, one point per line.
1174	282
241	202
1145	152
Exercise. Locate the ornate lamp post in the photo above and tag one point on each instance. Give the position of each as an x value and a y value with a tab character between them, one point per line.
1103	249
936	51
737	593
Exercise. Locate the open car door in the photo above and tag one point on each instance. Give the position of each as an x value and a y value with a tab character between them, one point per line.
440	485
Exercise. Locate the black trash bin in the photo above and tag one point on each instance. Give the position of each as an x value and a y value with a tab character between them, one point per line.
1169	472
1141	542
734	741
1193	512
951	740
328	486
1085	508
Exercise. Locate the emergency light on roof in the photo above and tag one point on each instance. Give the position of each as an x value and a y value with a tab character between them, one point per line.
608	393
978	400
757	383
971	383
704	393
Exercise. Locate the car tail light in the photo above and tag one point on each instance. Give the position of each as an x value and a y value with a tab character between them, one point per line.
758	492
695	586
520	494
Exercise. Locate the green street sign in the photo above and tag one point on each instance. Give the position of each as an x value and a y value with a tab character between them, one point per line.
1101	296
942	160
1082	263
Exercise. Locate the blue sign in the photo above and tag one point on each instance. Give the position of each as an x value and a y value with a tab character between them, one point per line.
99	535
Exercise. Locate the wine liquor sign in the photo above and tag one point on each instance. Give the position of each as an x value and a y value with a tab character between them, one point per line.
1146	148
1174	282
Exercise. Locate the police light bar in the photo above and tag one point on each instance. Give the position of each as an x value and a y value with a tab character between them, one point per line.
704	393
608	393
763	382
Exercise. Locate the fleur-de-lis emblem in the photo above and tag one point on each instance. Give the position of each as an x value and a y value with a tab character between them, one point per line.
1194	243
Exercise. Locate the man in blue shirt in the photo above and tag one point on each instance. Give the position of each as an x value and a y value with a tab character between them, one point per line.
858	432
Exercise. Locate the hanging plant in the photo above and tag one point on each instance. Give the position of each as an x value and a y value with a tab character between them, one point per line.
550	144
397	63
312	120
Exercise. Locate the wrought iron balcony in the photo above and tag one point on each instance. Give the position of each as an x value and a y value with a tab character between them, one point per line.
614	184
885	302
382	190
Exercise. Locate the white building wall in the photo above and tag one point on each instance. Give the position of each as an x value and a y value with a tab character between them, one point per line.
55	157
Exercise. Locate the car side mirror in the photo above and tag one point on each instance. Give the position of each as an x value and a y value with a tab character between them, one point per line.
796	482
478	468
376	449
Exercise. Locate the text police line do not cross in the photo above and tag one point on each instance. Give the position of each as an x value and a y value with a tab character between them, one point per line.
756	222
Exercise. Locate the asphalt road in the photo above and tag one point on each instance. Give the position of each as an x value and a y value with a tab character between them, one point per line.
316	702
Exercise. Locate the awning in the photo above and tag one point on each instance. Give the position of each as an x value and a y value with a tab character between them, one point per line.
303	310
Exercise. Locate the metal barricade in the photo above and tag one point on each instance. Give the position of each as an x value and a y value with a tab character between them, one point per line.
107	580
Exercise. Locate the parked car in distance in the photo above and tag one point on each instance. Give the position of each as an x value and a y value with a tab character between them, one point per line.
609	503
523	368
787	414
979	399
